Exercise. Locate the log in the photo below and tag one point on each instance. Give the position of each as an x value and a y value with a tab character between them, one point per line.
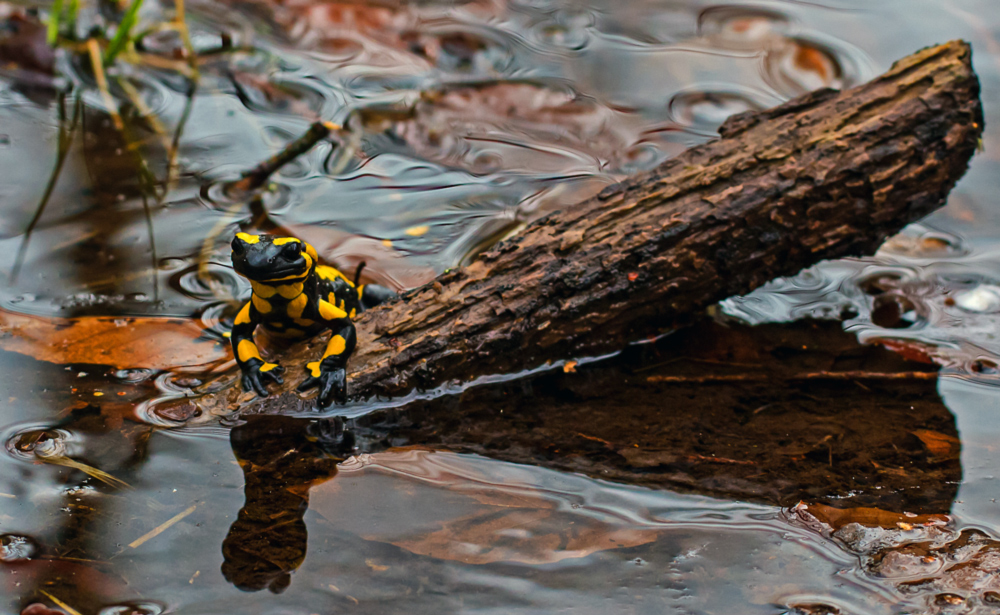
826	175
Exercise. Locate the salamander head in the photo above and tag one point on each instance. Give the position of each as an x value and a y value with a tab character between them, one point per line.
265	258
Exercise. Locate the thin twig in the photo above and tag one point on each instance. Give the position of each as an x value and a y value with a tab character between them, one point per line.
65	140
176	141
147	180
91	471
148	214
256	177
180	21
102	82
59	603
155	61
145	112
162	527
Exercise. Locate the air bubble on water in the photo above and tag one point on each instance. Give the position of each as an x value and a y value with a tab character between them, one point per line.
132	376
172	264
982	299
702	109
133	608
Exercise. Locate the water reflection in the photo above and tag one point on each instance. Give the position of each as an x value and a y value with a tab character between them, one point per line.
282	459
832	422
721	411
773	413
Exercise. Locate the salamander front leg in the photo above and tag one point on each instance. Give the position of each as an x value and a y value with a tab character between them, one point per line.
256	371
330	372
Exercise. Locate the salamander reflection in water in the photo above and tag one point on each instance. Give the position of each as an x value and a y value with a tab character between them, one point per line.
295	297
282	458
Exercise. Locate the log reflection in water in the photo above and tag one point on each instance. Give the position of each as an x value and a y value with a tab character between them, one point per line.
281	458
795	412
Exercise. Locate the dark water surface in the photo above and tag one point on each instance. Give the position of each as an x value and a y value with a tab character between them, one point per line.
770	459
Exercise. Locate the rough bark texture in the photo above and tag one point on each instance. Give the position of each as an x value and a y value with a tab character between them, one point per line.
826	175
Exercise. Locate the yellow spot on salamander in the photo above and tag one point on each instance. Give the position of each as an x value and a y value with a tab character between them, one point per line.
261	304
263	290
329	311
296	305
243	317
417	231
290	291
268	367
361	289
352	314
336	346
304	322
247	237
313	368
280	241
247	350
329	273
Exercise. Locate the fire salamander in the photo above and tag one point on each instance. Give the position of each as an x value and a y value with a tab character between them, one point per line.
295	297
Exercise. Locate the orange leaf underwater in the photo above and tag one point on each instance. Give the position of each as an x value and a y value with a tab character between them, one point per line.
121	342
869	517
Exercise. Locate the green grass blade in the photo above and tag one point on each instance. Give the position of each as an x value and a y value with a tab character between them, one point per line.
52	34
74	9
122	34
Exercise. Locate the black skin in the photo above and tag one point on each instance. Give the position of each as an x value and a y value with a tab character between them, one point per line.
295	297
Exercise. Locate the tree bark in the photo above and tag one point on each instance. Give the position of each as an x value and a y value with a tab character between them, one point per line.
826	175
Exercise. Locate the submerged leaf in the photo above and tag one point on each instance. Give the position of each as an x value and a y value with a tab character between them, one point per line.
939	444
152	343
869	517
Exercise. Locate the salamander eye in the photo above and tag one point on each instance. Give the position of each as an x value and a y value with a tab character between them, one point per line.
291	250
238	246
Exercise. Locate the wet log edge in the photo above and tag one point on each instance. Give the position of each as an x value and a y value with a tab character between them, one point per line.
826	175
